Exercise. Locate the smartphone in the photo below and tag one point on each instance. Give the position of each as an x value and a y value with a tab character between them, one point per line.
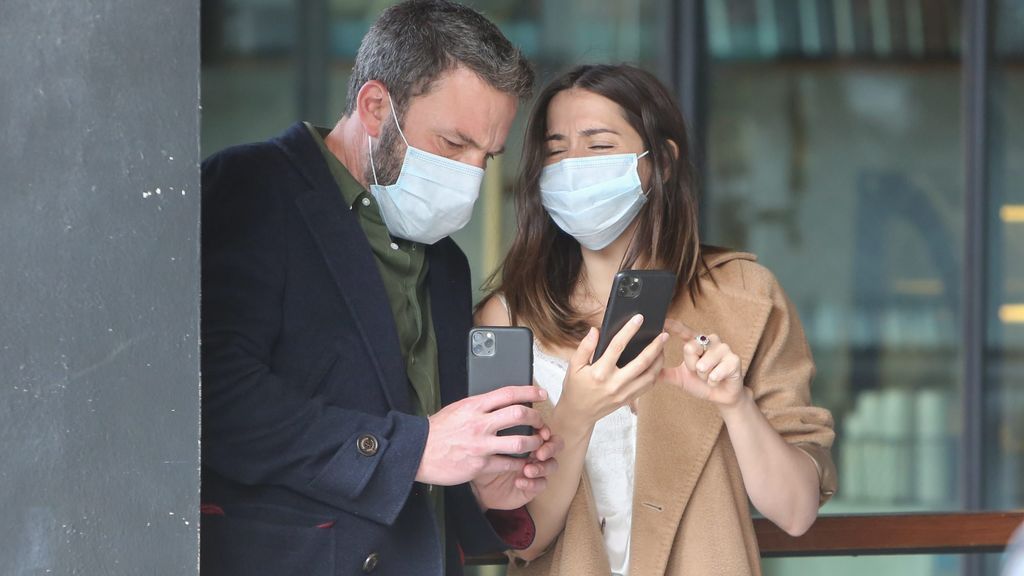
647	292
500	356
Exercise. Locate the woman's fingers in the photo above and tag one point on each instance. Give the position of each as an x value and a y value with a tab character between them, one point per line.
606	364
710	359
728	367
677	328
647	357
584	352
644	382
691	353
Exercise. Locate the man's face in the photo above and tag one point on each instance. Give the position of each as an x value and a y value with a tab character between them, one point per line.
462	118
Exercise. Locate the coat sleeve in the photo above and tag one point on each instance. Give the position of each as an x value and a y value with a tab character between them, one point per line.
256	428
482	533
780	376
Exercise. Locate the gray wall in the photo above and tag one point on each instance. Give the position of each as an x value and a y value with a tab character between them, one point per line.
99	281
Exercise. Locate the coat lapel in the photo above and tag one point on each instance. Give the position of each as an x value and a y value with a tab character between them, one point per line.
452	318
676	432
350	260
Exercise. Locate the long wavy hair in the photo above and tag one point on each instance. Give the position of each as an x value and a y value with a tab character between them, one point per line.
544	264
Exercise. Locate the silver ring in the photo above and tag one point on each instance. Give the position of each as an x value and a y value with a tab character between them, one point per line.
704	342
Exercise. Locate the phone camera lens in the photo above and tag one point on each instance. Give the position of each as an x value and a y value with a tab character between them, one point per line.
489	342
478	349
477	337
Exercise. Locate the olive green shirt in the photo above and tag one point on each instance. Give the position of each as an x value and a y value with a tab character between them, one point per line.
403	268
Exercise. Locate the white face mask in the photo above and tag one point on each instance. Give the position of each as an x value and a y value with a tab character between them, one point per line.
433	196
593	199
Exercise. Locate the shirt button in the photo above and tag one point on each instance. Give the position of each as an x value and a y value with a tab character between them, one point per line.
366	201
371	562
394	246
367	445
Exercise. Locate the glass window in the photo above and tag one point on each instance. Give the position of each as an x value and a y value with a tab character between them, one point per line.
834	152
1004	386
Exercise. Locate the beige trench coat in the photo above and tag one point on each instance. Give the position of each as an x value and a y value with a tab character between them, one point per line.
691	514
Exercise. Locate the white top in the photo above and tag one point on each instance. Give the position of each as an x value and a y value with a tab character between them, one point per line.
609	462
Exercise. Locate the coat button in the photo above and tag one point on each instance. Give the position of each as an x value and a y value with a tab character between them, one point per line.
371	562
367	445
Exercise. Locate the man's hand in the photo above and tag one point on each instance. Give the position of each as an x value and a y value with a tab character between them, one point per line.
462	442
511	490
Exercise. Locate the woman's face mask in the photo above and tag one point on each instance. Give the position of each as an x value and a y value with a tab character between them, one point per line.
593	199
593	188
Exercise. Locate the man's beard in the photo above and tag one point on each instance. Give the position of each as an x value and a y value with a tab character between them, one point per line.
388	156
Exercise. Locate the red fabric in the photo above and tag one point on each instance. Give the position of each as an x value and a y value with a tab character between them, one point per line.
211	510
462	555
515	527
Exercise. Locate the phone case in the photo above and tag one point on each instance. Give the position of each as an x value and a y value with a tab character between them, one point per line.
647	292
499	357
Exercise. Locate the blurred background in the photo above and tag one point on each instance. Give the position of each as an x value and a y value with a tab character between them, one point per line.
863	149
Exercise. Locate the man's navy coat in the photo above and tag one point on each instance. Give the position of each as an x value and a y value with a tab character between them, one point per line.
310	447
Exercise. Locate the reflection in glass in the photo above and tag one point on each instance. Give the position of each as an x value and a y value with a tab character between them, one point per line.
835	153
1004	386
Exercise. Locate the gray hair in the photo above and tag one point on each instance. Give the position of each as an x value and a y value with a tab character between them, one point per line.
413	43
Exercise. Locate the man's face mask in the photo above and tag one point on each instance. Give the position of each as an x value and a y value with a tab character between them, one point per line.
433	196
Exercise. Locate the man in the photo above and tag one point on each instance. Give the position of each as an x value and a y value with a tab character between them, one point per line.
337	438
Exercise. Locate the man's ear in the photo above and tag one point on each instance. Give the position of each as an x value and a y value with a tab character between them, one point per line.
372	107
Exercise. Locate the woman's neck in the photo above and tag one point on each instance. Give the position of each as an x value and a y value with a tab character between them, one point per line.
600	267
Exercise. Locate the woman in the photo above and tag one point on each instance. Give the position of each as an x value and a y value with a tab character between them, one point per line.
661	455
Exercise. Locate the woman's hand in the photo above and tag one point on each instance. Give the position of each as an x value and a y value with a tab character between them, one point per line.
714	374
592	391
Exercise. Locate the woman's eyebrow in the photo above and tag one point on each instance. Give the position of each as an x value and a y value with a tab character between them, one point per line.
586	133
596	131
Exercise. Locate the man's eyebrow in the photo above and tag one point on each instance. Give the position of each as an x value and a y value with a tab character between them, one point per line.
468	140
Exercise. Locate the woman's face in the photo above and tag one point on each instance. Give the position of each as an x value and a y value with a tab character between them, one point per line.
581	123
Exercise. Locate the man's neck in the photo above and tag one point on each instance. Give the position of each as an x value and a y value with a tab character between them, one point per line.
347	141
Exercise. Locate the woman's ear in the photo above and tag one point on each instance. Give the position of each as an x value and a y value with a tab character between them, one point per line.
372	107
674	149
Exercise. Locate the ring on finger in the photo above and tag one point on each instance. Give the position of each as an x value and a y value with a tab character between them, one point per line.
704	342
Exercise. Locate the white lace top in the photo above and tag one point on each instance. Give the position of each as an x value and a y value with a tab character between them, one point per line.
609	462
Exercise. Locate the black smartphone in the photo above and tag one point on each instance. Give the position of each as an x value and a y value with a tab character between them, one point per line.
500	356
647	292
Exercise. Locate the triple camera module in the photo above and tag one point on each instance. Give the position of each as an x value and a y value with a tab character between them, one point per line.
483	343
630	286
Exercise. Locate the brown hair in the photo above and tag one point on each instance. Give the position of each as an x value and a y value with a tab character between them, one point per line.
544	264
413	43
